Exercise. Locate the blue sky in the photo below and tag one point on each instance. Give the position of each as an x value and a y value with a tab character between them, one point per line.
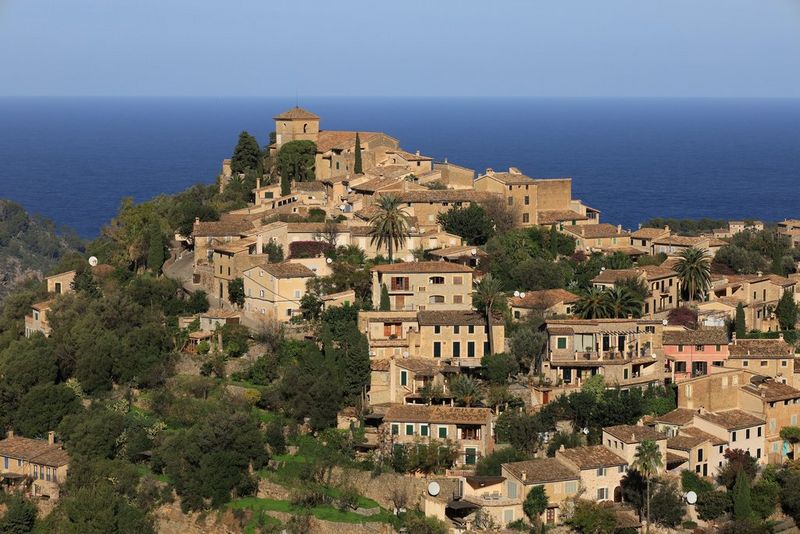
592	48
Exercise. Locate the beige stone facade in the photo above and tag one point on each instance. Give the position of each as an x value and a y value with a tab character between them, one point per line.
428	285
274	290
34	466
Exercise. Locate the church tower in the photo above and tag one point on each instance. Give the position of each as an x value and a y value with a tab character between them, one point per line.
296	124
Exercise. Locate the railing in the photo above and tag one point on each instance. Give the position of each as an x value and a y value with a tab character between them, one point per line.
597	355
401	287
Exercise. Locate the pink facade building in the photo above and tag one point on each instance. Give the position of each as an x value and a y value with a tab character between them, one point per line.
691	353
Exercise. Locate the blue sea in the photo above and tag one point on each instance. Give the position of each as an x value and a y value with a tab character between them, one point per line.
74	159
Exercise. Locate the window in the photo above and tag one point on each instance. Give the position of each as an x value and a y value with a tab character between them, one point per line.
680	348
458	299
622	468
470	349
511	489
409	429
297	293
759	428
437	329
442	432
508	515
403	378
510	201
680	367
437	349
764	363
601	471
456	349
571	487
436	280
561	342
436	299
261	293
5	462
526	218
486	348
718	348
758	453
699	455
733	437
784	363
602	494
745	363
747	434
457	280
423	430
794	421
456	329
772	425
471	329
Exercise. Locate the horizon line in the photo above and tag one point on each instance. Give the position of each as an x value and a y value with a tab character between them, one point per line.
410	97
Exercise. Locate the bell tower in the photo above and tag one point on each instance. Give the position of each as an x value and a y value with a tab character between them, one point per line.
296	124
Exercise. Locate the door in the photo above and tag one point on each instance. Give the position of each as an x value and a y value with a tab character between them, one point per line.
470	455
399	302
567	375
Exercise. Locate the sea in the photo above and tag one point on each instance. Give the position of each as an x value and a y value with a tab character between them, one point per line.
73	160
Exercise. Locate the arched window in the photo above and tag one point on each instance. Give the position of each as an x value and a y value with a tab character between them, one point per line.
305	128
436	299
434	280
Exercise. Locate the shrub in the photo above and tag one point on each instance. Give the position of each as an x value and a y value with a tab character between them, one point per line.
308	249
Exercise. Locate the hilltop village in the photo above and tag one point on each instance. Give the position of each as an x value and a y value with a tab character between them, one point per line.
368	336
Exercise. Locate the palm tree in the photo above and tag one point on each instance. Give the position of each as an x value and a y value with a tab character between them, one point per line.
648	461
465	390
694	272
623	302
389	225
593	304
488	297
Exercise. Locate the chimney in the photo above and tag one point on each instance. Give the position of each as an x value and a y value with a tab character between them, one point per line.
445	161
562	448
759	273
702	410
780	336
524	476
514	170
259	244
489	171
666	228
733	337
51	438
258	182
619	228
197	220
640	226
417	152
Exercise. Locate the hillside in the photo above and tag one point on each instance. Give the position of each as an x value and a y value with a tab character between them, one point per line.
29	245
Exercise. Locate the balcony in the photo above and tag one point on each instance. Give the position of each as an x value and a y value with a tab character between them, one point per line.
401	288
588	356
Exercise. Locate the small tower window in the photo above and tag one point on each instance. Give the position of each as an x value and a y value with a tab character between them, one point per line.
305	128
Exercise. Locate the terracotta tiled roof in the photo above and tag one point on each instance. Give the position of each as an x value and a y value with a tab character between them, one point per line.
592	457
701	336
543	299
732	419
697	433
33	450
219	313
419	366
287	270
684	443
508	178
460	251
634	433
596	231
649	233
341	140
376	184
408	156
453	318
312	228
557	216
312	185
772	391
650	272
560	330
231	226
422	267
761	348
541	471
43	305
446	195
297	113
678	416
437	414
689	241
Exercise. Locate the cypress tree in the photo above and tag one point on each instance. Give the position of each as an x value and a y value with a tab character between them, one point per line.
357	166
155	254
786	311
554	242
742	506
739	322
385	304
246	155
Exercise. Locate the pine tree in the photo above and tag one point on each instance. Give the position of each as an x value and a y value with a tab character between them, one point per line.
246	155
742	506
739	323
386	303
357	166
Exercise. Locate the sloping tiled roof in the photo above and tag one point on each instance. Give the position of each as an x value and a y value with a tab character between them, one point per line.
419	366
541	471
678	416
453	318
543	299
408	156
288	270
592	457
701	336
772	391
376	184
422	267
445	195
557	216
697	433
33	450
296	113
312	185
649	233
689	241
684	443
596	231
458	251
732	419
634	433
761	348
230	226
508	178
409	413
341	140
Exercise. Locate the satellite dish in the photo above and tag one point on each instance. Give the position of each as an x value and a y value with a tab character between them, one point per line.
434	489
602	269
585	431
516	293
474	251
691	497
328	260
522	295
93	261
405	354
341	207
665	322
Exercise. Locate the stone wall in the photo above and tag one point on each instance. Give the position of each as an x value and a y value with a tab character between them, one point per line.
384	487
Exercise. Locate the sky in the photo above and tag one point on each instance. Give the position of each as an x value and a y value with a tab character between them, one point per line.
496	48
